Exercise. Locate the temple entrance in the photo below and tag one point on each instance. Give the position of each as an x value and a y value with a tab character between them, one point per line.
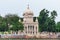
30	29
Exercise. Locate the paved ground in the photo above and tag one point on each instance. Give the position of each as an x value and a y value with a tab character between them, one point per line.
29	39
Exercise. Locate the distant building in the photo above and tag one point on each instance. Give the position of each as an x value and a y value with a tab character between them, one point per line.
30	26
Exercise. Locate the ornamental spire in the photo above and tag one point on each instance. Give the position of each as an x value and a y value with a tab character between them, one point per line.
28	6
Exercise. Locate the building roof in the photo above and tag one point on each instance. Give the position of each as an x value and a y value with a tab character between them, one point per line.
28	11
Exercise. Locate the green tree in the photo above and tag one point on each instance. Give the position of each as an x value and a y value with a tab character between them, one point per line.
58	27
53	23
3	26
17	26
51	27
53	15
13	20
42	20
46	22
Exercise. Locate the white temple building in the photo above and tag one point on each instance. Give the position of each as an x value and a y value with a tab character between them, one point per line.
30	27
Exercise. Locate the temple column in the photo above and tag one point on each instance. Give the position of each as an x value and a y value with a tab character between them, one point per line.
27	29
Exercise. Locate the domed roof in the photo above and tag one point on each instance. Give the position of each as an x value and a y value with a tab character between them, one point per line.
28	11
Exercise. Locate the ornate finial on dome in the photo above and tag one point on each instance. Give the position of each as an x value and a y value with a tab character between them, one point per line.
28	11
28	6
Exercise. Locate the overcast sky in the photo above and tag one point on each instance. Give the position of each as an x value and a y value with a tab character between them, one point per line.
19	6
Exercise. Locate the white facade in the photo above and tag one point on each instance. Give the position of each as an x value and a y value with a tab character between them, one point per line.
30	27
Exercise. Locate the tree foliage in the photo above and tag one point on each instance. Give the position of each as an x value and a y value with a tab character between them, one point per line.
3	26
14	21
58	27
46	22
42	19
10	22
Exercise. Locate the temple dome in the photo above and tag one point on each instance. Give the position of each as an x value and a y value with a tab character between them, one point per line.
28	11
